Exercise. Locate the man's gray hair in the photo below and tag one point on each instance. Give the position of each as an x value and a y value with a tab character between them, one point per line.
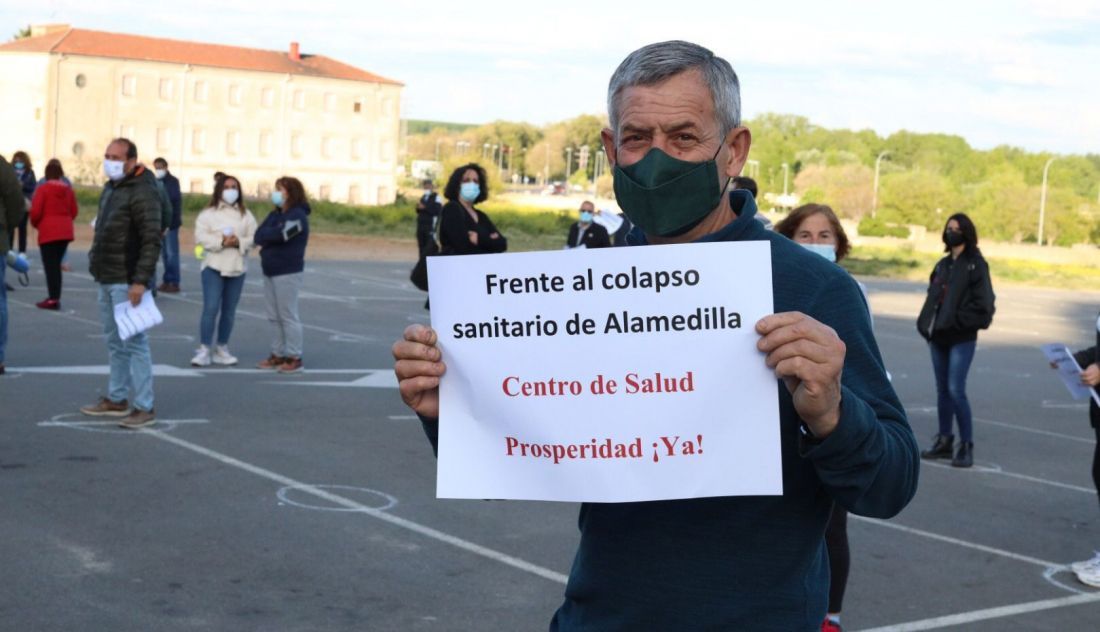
655	63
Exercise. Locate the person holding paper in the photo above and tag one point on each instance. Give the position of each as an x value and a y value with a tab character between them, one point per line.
282	238
585	232
1088	571
463	229
960	301
11	210
123	261
225	230
749	562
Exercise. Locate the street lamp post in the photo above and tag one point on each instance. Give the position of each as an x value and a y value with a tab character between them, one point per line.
568	164
786	172
874	192
1043	201
753	168
437	141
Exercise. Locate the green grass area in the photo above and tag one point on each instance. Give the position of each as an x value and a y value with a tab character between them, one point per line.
533	228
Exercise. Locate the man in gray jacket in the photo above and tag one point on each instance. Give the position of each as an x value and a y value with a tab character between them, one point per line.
123	260
12	208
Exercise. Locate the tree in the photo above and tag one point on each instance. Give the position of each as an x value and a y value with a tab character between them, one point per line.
22	33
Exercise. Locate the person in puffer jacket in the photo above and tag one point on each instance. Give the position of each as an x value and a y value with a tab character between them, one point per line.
53	210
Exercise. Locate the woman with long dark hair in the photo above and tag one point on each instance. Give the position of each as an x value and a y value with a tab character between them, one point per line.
283	236
463	229
53	210
21	162
225	230
960	301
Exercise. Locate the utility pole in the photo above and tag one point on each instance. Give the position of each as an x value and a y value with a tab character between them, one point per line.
874	193
568	165
786	172
1043	200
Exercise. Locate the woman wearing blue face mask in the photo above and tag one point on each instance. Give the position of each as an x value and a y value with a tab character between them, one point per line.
464	230
225	230
22	164
282	238
818	229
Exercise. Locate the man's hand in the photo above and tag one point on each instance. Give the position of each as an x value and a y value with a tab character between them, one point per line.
809	357
472	235
418	365
1091	375
134	293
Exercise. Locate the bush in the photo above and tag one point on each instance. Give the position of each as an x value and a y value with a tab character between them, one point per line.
875	227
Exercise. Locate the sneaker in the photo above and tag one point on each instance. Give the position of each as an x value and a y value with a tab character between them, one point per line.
271	362
1091	563
50	303
202	356
222	356
106	408
138	419
291	365
1090	577
831	626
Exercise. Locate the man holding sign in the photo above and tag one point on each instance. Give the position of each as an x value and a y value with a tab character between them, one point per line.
720	562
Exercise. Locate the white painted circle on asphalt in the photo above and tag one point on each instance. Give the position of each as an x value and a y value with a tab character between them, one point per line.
298	496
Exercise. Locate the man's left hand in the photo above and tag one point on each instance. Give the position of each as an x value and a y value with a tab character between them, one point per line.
135	293
809	357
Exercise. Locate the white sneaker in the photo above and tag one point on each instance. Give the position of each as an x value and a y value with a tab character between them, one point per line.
1090	576
222	356
202	356
1089	564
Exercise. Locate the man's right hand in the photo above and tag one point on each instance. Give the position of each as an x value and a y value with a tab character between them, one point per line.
418	366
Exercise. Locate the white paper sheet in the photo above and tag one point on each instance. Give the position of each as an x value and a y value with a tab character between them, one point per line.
1068	369
534	416
135	320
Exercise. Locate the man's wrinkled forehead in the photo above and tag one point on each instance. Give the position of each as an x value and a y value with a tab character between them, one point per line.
115	151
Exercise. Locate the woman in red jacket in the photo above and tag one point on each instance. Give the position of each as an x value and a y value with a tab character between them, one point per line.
53	210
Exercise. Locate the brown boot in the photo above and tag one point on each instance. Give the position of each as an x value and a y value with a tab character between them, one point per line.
106	408
139	419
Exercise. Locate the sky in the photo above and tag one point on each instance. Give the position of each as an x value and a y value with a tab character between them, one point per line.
1014	72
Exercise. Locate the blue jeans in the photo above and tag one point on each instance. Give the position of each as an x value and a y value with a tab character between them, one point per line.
131	361
219	293
951	364
170	252
3	309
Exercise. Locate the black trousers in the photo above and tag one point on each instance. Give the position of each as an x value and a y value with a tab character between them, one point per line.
52	254
836	541
1096	462
21	228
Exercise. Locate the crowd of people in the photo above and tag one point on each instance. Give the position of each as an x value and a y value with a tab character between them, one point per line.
136	225
753	562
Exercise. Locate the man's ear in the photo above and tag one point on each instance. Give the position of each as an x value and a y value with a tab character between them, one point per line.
738	141
608	139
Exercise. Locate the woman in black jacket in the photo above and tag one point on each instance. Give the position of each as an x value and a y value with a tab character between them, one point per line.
1088	571
464	230
959	303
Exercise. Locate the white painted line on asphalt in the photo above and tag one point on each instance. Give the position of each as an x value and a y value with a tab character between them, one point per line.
55	423
1047	433
1001	612
409	525
378	379
159	370
996	469
58	314
958	542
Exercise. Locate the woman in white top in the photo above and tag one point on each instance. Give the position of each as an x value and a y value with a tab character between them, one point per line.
224	230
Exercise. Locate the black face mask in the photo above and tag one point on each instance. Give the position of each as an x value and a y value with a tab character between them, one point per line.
952	238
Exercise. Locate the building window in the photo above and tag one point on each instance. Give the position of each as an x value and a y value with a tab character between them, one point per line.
233	143
165	90
81	81
198	141
357	107
201	91
196	185
78	149
324	192
266	140
235	94
267	97
164	138
326	147
356	149
129	85
299	100
296	145
353	194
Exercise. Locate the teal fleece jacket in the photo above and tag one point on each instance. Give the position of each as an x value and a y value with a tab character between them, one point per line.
753	562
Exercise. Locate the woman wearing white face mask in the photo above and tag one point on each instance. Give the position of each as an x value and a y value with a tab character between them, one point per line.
464	230
818	229
225	230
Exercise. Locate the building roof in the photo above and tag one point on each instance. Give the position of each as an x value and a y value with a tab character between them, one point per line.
72	41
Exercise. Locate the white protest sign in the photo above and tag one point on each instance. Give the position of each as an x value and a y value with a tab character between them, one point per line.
620	374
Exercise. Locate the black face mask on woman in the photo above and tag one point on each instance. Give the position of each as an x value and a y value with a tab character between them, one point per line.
952	238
